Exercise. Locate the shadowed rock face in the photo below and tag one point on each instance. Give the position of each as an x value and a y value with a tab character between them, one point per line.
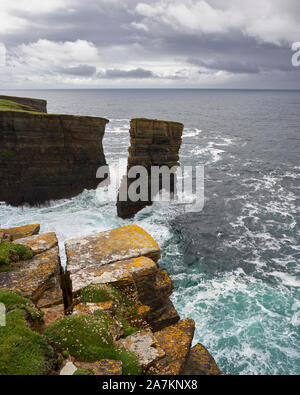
47	156
153	143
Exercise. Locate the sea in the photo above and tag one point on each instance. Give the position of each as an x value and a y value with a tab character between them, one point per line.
236	263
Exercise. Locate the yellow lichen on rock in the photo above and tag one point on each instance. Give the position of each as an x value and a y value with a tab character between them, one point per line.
20	232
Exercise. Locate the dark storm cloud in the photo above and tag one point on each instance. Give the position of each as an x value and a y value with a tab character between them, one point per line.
119	74
81	70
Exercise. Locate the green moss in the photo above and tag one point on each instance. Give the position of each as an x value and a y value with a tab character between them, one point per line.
83	372
130	362
6	105
126	310
6	152
22	351
65	354
85	338
13	300
88	339
95	293
10	252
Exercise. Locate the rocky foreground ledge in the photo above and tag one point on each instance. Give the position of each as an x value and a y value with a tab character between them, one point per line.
109	313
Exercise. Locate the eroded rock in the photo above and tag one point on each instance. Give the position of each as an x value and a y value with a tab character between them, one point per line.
19	232
176	342
34	278
152	143
201	363
39	243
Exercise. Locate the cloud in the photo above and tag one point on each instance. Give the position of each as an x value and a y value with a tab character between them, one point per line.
155	43
234	67
270	21
81	70
119	74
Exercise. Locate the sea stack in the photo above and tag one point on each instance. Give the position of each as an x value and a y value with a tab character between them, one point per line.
152	143
46	156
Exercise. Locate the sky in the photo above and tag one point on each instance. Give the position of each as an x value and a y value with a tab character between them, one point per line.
76	44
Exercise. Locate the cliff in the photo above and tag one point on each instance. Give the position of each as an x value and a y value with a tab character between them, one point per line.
116	318
47	156
32	104
152	143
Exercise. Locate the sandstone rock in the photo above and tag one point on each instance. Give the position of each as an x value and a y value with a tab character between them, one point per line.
163	315
38	105
87	258
48	156
201	363
39	243
153	143
35	277
176	342
145	346
20	232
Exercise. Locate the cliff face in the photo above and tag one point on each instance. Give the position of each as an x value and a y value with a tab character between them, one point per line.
153	143
45	156
35	104
117	317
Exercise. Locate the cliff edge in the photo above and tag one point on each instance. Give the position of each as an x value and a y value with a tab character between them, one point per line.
47	156
108	314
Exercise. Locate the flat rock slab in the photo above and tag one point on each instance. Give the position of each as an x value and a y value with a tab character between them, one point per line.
20	232
34	277
117	273
86	257
111	246
145	346
39	243
201	363
176	342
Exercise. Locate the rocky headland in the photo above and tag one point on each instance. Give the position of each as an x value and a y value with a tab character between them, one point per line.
108	313
46	156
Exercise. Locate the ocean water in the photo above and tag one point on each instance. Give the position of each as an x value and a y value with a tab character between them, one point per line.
235	265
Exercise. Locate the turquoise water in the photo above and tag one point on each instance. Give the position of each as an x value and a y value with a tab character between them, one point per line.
235	264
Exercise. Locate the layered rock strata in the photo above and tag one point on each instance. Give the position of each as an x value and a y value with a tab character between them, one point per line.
152	143
48	156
